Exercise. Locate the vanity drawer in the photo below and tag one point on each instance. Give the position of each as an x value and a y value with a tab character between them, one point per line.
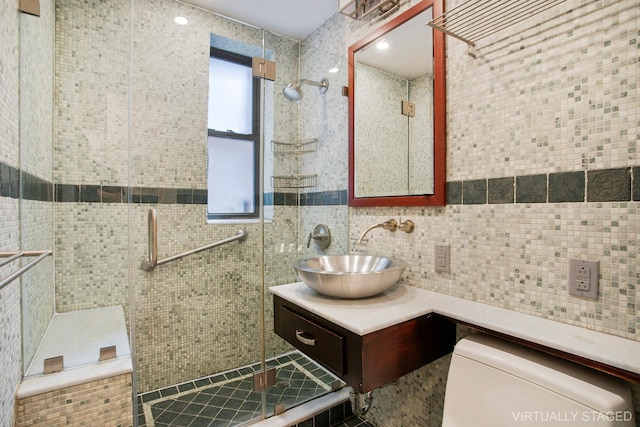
314	340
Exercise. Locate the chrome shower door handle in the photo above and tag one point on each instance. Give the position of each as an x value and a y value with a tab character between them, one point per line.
305	338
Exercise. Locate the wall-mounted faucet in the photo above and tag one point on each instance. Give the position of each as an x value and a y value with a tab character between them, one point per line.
391	225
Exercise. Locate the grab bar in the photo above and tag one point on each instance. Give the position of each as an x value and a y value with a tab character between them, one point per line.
12	256
152	261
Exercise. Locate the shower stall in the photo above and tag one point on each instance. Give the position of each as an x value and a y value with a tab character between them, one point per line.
127	134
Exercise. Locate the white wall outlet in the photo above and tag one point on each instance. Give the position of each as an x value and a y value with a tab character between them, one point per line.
442	259
583	278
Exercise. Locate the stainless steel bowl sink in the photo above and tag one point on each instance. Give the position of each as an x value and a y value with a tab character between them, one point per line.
349	276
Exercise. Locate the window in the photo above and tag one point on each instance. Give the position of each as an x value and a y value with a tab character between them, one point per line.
234	140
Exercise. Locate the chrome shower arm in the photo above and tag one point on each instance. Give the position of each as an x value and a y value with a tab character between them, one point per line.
311	82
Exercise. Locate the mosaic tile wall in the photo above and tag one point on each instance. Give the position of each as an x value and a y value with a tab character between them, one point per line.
24	223
36	156
10	335
9	125
91	148
499	125
105	402
557	94
91	92
324	116
207	306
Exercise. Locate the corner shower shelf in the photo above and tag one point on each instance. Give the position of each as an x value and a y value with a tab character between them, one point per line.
294	181
297	146
475	19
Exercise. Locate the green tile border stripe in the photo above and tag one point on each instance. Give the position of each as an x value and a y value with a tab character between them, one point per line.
600	185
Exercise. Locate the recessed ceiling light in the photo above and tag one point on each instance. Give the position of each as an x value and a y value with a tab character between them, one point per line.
181	20
382	44
334	70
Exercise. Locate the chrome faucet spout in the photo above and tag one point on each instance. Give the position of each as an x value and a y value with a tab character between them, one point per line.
391	225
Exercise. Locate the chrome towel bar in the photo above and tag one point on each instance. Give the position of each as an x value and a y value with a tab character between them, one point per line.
473	20
152	260
12	256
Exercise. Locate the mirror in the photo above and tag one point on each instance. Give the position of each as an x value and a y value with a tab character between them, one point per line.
397	116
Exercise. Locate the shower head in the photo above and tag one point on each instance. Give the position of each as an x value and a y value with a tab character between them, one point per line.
293	91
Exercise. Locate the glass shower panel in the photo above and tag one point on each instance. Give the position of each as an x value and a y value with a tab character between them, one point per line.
204	323
197	320
36	175
285	236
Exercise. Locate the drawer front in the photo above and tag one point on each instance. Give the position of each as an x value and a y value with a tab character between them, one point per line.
317	342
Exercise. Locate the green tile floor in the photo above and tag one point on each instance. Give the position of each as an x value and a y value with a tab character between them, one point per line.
228	399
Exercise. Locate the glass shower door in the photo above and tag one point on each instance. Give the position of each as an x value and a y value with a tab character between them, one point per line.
197	320
290	211
205	350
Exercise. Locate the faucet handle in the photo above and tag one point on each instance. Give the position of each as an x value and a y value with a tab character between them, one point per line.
407	226
321	235
390	224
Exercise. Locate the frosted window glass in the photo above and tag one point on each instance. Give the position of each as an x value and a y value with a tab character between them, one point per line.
230	97
231	176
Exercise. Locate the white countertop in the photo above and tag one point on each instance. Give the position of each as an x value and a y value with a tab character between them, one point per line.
404	302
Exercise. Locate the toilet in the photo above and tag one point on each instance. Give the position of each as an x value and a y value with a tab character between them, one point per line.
495	383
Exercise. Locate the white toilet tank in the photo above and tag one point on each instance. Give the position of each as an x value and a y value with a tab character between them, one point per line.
495	383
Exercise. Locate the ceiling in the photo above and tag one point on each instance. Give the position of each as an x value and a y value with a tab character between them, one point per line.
410	52
292	18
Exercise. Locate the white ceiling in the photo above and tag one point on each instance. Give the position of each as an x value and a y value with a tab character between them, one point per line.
292	18
410	52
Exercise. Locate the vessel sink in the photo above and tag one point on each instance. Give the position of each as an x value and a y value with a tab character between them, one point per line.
349	276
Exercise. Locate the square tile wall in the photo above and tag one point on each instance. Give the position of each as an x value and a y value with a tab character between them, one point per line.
24	224
206	306
556	94
10	334
105	402
36	171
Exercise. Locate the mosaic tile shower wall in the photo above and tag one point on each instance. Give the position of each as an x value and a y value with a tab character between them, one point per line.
206	306
36	154
324	116
91	148
10	335
26	73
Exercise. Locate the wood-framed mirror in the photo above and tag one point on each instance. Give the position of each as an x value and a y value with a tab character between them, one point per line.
397	120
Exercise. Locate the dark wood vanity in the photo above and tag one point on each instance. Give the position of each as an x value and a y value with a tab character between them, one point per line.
369	361
376	340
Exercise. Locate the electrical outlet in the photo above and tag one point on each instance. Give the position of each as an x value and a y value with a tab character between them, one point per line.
583	278
442	259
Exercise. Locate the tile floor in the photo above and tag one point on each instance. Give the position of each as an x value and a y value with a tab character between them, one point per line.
228	399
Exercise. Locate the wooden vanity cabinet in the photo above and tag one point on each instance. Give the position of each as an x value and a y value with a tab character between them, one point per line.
370	361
